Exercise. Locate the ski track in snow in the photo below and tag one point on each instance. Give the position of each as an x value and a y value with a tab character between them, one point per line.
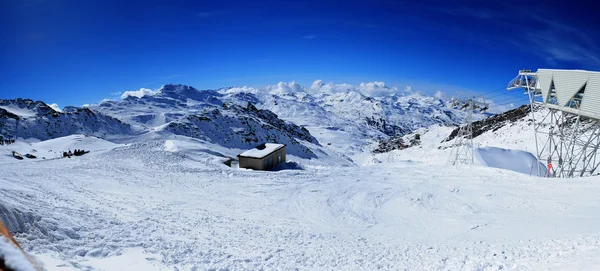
403	215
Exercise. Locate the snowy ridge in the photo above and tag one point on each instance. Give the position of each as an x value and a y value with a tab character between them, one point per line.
184	110
28	119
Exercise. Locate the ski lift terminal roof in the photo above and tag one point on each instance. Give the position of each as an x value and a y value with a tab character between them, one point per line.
262	150
573	91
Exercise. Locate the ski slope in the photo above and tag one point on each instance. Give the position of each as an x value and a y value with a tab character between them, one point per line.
166	204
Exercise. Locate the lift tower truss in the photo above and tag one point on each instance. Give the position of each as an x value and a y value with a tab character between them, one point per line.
462	148
565	115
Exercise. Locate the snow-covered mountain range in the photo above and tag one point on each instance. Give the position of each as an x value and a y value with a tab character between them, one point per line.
324	119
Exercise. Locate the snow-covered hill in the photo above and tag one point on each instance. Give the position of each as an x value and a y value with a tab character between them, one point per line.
184	110
54	148
24	118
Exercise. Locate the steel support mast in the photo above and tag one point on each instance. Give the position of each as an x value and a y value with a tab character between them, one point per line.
567	139
462	148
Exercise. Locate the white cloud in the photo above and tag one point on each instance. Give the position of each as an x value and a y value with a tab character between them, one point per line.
55	107
371	89
497	109
319	86
139	93
440	95
376	89
309	37
285	88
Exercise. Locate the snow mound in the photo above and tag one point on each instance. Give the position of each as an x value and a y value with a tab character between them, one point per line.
170	146
515	160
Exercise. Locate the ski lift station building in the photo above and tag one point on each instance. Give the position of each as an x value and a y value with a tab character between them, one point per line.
573	91
263	157
568	134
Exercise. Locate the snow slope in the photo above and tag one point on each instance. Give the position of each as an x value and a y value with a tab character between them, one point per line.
54	148
26	119
507	142
22	112
176	212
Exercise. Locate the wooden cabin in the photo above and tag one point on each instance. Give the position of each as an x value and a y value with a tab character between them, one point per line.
263	157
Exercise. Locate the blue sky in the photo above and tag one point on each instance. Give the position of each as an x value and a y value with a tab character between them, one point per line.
76	52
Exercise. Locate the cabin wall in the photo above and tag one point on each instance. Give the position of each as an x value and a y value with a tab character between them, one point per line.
275	158
268	162
252	163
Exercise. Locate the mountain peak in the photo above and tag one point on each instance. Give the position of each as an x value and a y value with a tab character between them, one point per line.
176	88
184	92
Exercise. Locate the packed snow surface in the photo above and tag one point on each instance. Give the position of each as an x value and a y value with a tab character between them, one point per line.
157	205
262	152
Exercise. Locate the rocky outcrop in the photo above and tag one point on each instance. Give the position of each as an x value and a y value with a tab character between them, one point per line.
28	119
234	126
495	122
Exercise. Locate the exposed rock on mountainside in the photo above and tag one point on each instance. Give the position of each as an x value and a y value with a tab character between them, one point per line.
184	110
495	122
398	142
236	127
28	119
348	119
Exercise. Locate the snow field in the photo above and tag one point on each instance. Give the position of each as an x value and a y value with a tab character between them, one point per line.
175	211
54	148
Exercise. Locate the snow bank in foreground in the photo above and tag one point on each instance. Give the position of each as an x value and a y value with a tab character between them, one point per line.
515	160
13	257
130	259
